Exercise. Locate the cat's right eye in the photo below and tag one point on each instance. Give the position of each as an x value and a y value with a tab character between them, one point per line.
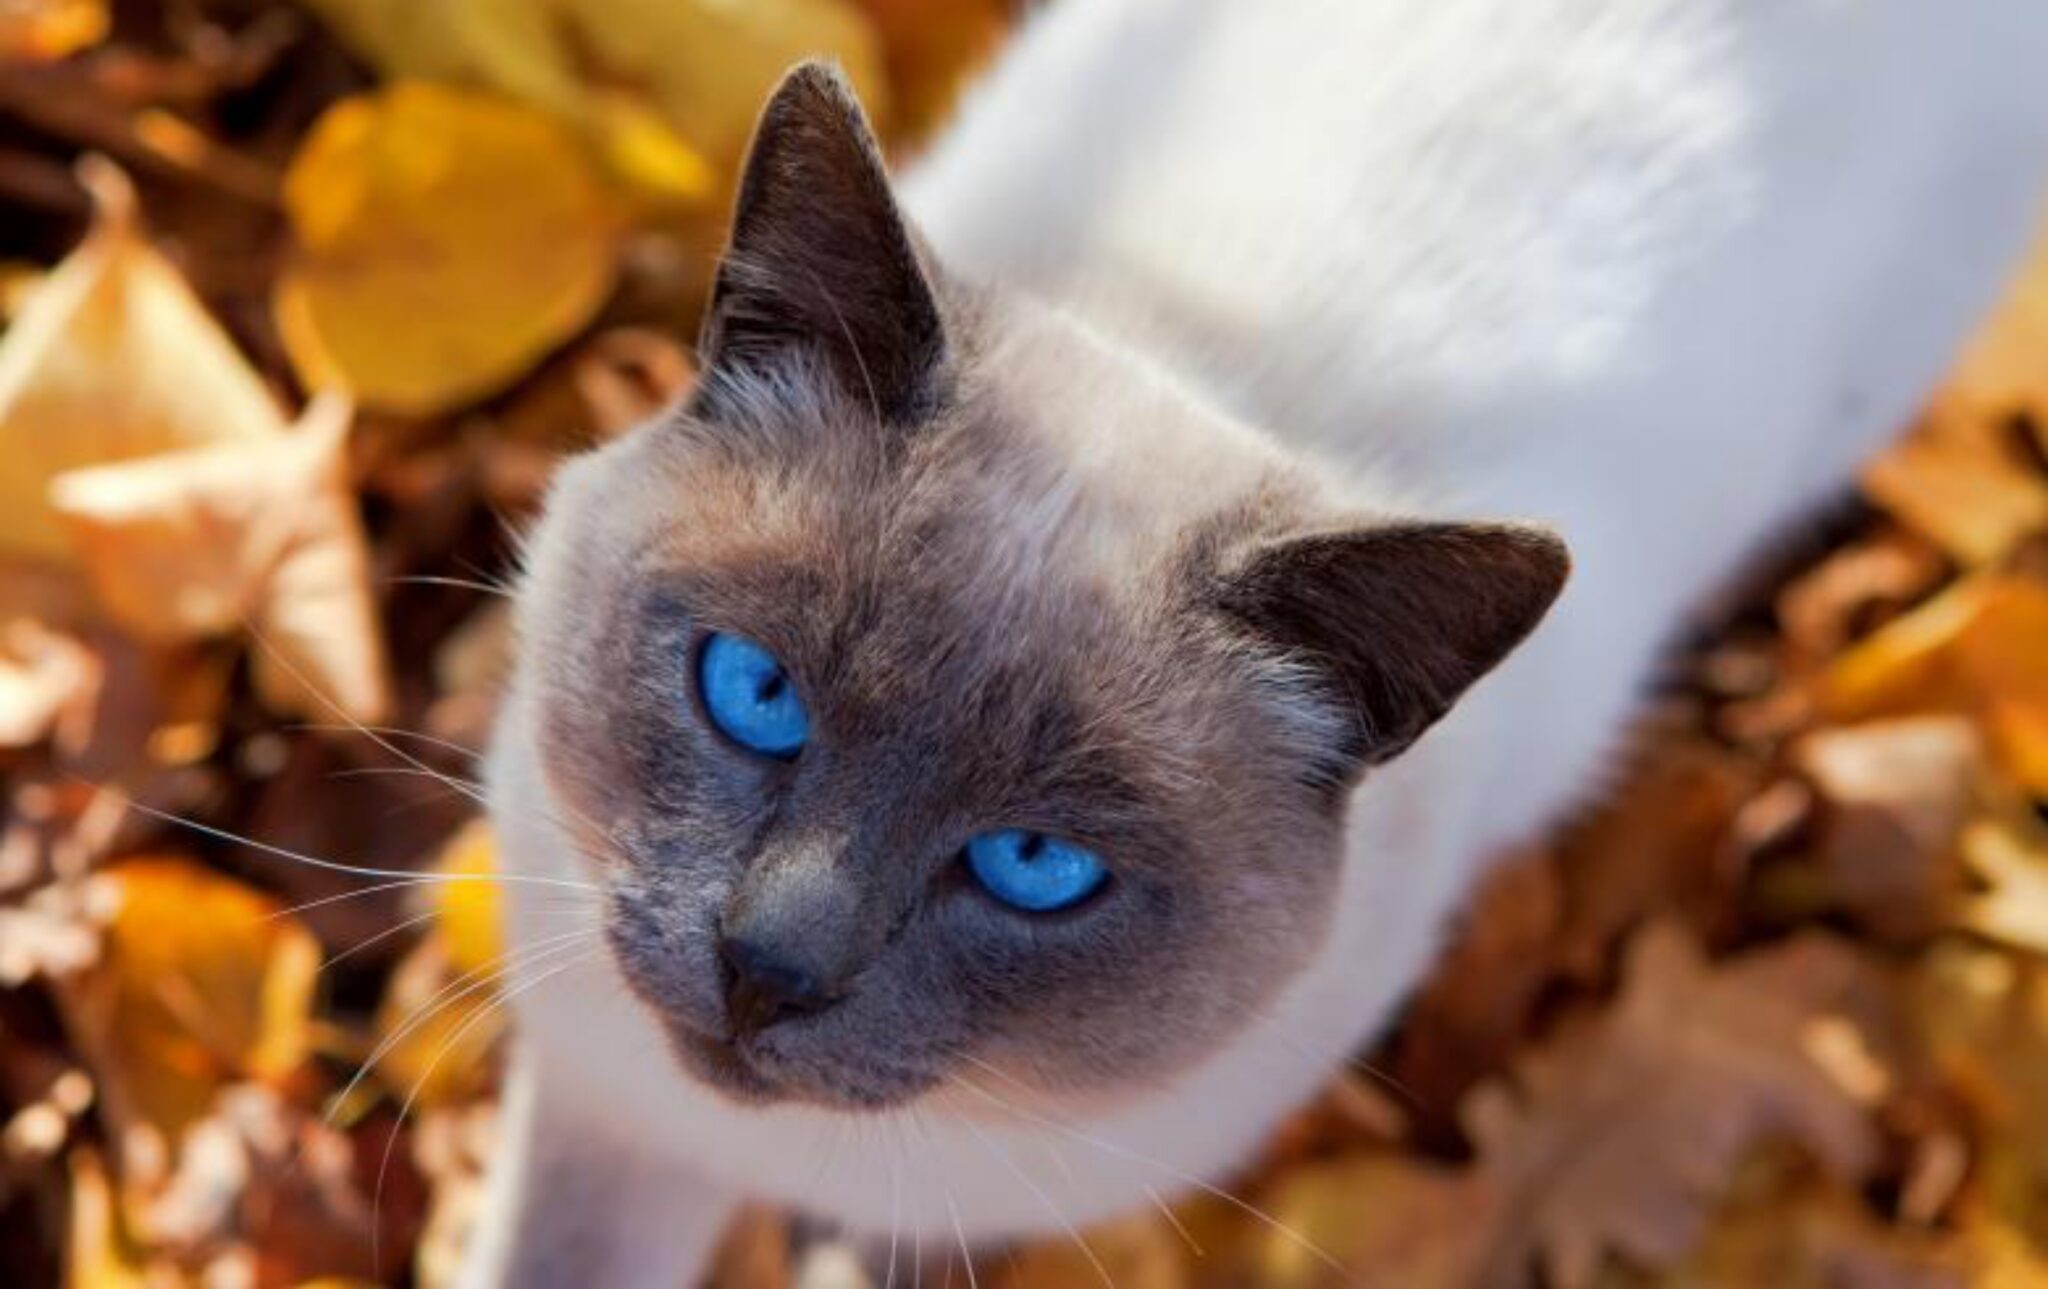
750	697
1032	871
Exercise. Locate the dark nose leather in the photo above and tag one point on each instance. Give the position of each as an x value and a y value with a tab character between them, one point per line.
764	986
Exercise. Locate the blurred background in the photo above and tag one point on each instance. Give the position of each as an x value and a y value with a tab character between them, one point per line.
301	303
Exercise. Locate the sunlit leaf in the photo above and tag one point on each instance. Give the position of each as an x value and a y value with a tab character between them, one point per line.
704	66
112	358
447	239
203	981
34	30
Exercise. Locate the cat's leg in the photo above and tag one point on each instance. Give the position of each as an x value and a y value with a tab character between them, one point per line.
574	1201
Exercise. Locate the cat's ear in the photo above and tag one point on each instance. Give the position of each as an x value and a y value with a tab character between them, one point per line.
821	261
1399	620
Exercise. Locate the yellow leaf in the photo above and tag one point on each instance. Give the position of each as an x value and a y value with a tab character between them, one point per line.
447	240
97	1253
202	981
1960	482
932	47
439	1027
1980	647
39	30
468	914
2015	907
183	545
112	357
705	66
46	680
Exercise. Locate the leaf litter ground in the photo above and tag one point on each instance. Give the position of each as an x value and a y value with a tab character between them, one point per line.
301	306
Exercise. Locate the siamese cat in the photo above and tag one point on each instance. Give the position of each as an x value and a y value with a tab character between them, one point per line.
1030	715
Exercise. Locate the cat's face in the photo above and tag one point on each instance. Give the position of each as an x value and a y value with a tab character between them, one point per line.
914	728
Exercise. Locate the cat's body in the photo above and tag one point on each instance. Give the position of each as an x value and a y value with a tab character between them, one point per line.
1656	273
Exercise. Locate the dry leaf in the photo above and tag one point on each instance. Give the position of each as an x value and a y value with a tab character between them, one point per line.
112	358
2015	908
933	47
55	931
1619	1135
1896	793
1962	483
1138	1252
187	544
98	1252
1980	647
202	982
437	1028
1382	1219
703	67
447	239
1787	1229
46	680
469	914
39	30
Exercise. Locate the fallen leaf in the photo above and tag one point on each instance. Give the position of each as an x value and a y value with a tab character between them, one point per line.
55	931
437	1028
704	66
98	1252
112	358
2014	909
1381	1218
1618	1135
1788	1229
447	239
39	30
1478	1002
1962	483
47	680
1980	647
202	982
183	545
932	48
1895	795
1138	1252
1661	837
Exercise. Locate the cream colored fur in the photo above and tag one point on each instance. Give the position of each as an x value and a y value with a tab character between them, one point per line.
1656	272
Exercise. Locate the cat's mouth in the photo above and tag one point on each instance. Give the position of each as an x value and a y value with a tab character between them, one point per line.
757	1075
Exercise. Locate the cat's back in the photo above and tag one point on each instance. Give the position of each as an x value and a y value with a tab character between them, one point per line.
1412	213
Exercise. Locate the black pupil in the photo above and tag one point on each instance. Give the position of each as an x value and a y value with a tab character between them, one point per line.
770	688
1031	847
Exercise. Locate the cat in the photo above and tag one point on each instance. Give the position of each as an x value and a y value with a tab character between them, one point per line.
1034	710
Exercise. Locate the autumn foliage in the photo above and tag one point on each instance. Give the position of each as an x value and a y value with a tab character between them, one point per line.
302	302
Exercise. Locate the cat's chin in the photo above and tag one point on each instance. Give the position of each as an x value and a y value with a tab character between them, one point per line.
755	1078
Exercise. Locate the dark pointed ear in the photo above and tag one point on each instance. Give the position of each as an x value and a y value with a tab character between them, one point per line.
1399	620
821	261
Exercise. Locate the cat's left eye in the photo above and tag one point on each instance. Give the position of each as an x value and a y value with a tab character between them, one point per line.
1033	871
750	697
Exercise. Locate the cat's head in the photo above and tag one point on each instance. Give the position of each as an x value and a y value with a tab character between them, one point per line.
941	688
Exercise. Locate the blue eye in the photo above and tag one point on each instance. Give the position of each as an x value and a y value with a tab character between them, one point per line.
750	698
1034	872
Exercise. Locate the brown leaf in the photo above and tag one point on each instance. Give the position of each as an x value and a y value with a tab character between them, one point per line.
1662	837
48	683
2015	907
203	982
189	544
1896	794
112	358
1977	648
1618	1135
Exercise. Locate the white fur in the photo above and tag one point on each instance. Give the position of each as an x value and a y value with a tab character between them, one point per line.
1658	272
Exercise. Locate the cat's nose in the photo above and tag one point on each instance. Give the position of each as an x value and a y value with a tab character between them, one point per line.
764	986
